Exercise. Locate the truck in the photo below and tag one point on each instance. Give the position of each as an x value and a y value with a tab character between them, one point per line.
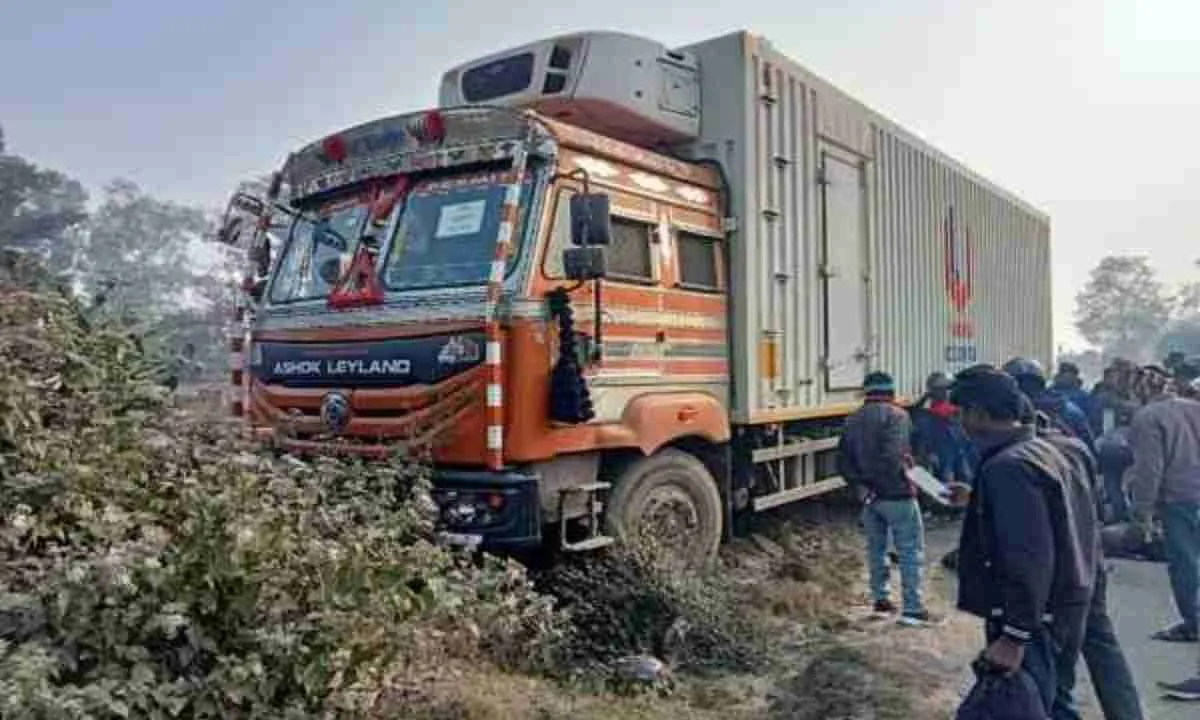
614	290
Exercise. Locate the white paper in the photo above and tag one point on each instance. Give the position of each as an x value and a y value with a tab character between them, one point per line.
465	218
929	485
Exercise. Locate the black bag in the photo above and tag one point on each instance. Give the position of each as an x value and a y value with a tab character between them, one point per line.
997	696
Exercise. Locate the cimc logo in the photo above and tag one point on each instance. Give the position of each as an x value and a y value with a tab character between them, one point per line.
958	259
960	288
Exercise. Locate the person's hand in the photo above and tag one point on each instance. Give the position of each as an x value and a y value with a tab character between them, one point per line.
1005	654
960	493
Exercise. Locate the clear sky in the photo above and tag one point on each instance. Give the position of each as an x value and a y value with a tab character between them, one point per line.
1090	109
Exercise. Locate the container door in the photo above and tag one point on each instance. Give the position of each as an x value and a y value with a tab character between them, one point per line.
844	271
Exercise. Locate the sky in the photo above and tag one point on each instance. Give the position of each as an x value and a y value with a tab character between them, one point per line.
1089	109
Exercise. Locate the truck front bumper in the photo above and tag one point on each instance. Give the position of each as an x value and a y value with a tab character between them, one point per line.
492	510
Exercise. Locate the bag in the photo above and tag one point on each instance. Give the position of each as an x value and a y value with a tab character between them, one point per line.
996	696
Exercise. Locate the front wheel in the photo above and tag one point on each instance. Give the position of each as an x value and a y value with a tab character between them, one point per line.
671	500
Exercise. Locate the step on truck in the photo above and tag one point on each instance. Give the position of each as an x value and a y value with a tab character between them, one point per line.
613	288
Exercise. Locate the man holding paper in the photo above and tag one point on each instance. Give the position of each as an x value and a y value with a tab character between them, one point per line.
874	456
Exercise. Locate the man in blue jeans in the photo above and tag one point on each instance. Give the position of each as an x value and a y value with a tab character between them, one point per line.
874	456
1166	477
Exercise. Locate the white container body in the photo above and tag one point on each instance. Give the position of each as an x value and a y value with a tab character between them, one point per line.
857	246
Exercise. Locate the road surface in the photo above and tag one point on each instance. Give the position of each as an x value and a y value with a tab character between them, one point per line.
1140	603
1139	600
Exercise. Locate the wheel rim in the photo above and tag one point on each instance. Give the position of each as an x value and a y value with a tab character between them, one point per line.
670	519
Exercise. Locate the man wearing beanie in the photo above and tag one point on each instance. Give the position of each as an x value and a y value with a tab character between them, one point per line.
874	455
1020	565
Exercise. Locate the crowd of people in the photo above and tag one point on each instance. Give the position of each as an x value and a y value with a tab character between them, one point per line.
1049	475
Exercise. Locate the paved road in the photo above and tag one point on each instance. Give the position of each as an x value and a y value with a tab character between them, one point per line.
1139	599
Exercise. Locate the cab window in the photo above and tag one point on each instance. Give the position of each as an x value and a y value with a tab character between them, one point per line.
697	255
630	255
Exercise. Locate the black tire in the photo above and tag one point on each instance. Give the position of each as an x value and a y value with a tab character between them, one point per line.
672	487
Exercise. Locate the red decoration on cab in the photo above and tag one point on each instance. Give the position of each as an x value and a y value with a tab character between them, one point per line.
359	286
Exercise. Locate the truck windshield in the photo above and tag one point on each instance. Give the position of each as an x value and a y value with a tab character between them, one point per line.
447	234
309	267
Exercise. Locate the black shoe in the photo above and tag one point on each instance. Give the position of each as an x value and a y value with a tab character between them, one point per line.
1176	634
885	607
1188	690
950	560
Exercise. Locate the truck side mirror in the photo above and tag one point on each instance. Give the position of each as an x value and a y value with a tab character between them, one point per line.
243	211
585	263
230	231
591	219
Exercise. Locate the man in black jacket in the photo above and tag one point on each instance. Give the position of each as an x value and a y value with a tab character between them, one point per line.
1021	567
874	456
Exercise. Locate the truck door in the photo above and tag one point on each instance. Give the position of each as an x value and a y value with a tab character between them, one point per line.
844	270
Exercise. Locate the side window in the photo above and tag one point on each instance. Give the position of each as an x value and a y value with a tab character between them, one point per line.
697	261
629	255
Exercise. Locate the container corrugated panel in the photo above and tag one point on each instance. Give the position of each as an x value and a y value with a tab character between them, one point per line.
857	245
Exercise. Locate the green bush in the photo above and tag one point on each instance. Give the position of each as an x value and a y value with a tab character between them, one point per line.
152	564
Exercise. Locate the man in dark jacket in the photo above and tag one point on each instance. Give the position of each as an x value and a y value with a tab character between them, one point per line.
874	455
1021	567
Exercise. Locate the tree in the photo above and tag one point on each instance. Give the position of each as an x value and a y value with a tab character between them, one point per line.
150	261
1183	334
1123	307
40	210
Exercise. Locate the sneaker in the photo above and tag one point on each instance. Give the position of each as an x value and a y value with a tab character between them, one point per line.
885	607
920	618
1188	690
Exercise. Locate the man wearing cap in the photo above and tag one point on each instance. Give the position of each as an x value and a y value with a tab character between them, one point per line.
938	432
1031	380
1020	567
1165	479
874	455
1068	382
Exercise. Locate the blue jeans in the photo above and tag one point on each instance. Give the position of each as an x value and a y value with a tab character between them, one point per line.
1181	525
1111	677
1118	502
1114	460
901	520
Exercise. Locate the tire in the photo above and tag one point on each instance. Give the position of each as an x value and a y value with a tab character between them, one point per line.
673	491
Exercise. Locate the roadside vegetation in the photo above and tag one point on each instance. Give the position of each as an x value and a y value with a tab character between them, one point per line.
153	564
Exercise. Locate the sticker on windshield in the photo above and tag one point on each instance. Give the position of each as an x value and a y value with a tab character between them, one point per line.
460	219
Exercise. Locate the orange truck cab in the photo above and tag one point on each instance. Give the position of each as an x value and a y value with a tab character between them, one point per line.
550	287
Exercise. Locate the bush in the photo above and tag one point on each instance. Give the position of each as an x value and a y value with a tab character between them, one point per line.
152	564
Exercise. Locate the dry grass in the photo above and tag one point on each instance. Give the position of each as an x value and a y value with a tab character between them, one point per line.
475	693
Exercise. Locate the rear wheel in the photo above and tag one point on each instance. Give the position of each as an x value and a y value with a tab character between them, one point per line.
669	500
